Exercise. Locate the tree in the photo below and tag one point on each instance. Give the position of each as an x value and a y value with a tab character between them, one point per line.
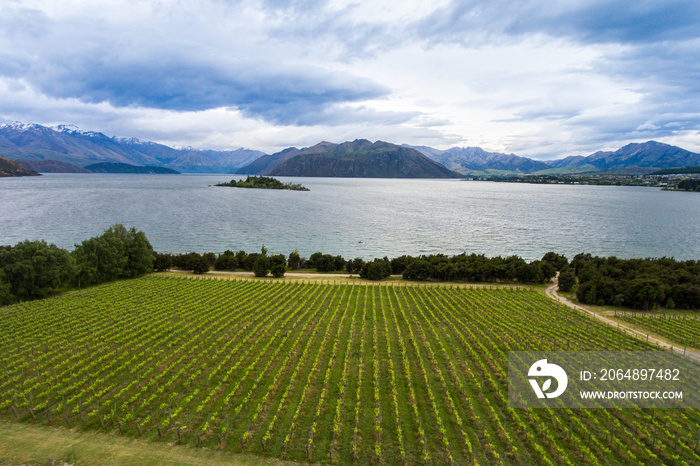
567	279
199	263
139	252
6	296
558	261
226	261
162	262
117	253
312	262
210	257
294	260
399	264
355	265
325	263
278	265
378	269
418	269
261	267
644	293
33	269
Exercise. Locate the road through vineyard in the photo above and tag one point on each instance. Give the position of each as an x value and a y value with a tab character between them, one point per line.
342	373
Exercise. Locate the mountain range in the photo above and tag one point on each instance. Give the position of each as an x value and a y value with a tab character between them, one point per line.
355	159
48	150
69	144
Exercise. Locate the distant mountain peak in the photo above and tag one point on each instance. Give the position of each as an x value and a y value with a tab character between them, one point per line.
73	129
19	126
132	141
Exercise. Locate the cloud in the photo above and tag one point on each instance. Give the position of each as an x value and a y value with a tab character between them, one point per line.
535	78
145	70
599	21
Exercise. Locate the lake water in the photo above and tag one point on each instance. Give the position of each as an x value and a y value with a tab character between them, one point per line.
355	217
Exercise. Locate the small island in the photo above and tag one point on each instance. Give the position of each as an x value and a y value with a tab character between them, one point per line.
263	182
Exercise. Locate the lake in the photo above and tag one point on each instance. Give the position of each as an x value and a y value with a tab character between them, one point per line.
355	217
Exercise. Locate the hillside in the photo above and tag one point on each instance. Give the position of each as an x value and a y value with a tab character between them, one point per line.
677	171
267	163
650	154
467	160
363	159
52	166
69	144
12	168
106	167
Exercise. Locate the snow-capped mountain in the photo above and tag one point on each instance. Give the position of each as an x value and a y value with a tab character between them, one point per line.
70	144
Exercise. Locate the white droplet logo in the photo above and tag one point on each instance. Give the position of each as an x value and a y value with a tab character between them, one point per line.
542	368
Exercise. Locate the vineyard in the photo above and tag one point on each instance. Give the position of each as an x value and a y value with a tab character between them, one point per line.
339	373
684	330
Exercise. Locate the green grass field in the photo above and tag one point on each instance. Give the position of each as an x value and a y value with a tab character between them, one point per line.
316	372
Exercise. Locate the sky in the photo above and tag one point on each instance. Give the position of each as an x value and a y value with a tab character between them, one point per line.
543	79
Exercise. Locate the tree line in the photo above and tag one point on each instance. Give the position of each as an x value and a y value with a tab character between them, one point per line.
35	269
636	283
436	267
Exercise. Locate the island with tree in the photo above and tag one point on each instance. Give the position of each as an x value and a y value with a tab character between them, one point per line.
263	182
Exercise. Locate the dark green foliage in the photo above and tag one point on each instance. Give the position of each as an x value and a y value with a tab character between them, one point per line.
354	265
186	261
249	261
558	261
6	296
689	185
226	261
677	171
338	263
192	261
111	167
294	260
399	264
325	262
117	253
278	265
567	279
637	283
33	269
263	182
210	257
477	268
313	260
241	257
378	269
162	262
261	266
200	264
535	272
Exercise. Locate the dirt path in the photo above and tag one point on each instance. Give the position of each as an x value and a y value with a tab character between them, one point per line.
551	291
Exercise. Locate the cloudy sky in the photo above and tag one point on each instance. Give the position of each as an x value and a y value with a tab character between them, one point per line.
538	78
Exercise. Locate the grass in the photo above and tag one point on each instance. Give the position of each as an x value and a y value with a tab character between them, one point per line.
23	444
317	371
